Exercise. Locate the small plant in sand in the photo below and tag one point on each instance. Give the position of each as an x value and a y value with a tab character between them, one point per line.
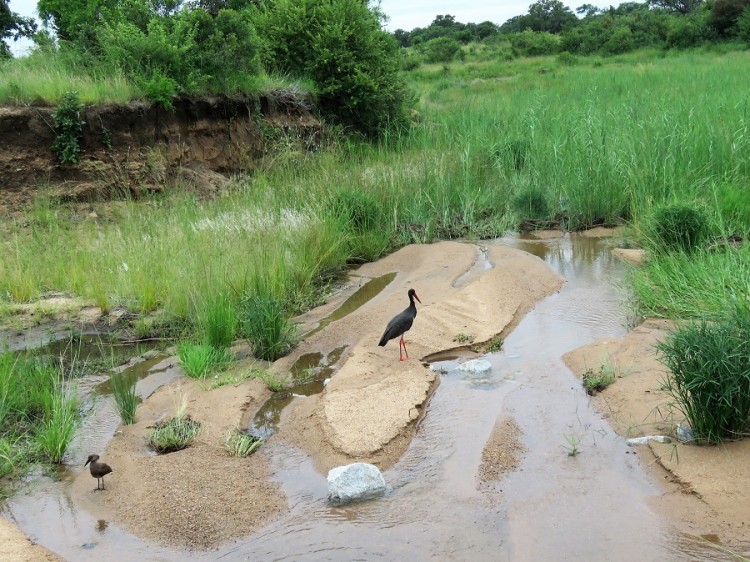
227	378
572	440
595	382
495	344
241	444
463	338
274	381
198	360
176	433
265	325
126	400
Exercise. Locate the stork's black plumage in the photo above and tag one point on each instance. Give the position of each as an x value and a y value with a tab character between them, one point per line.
400	324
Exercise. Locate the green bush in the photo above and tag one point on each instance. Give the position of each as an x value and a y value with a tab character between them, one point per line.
441	49
678	226
69	128
743	25
533	44
709	375
264	323
567	59
340	45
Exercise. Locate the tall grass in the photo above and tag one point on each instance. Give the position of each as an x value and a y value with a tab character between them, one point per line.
37	411
44	77
709	375
126	400
217	319
697	285
199	360
58	426
595	143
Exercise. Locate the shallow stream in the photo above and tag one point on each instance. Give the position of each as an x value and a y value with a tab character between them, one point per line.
591	506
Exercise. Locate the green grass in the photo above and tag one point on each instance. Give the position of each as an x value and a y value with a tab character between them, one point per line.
709	375
217	319
57	428
602	141
267	327
174	434
274	381
240	444
38	412
595	382
697	285
200	360
126	400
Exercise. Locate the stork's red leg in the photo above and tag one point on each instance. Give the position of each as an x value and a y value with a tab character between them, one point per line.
401	342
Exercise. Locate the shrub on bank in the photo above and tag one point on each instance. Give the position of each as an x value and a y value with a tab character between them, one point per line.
678	227
709	375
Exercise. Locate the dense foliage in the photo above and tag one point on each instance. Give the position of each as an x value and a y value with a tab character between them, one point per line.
12	26
550	27
171	47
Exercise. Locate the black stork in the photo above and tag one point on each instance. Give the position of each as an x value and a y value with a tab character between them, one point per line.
400	324
98	469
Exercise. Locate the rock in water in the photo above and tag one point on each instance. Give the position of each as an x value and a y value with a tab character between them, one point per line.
354	482
476	366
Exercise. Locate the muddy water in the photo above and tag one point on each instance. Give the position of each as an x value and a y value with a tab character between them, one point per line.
591	506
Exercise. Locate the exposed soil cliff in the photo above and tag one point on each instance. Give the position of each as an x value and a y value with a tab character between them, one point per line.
139	146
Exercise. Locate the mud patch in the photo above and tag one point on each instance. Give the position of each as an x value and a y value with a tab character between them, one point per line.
501	454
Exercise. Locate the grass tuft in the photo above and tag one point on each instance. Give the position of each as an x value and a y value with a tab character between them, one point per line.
123	391
199	360
265	325
240	444
709	375
274	382
174	434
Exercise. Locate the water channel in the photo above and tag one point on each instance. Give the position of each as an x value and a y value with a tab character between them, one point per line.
591	506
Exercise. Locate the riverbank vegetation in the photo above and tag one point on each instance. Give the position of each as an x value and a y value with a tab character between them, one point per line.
446	149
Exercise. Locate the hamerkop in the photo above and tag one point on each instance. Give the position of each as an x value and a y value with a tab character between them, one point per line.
98	469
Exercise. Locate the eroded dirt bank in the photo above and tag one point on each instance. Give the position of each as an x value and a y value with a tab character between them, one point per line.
201	497
140	146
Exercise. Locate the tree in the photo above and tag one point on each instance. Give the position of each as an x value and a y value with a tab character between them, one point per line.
676	6
725	14
13	26
402	37
341	46
551	16
587	10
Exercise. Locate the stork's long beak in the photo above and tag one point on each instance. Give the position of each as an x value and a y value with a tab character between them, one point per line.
87	462
416	297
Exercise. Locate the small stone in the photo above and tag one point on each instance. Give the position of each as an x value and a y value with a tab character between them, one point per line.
685	433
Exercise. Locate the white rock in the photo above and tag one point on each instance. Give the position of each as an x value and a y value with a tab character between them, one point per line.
685	433
645	439
475	366
354	482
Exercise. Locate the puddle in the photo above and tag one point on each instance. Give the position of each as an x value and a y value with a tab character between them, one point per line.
590	507
309	374
481	264
364	294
